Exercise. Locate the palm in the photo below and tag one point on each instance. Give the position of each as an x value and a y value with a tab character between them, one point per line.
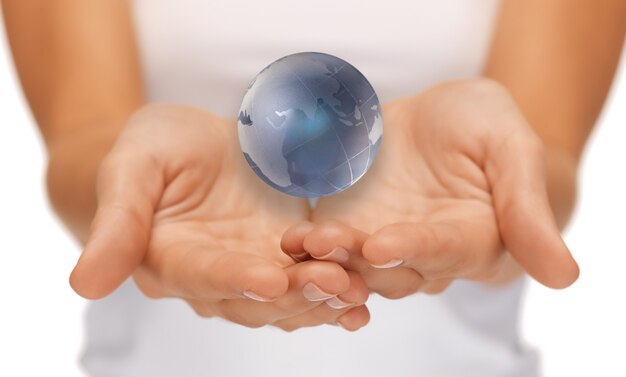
233	212
460	176
424	174
211	202
179	210
419	176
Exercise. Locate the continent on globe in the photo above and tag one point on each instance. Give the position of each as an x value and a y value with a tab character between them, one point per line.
310	125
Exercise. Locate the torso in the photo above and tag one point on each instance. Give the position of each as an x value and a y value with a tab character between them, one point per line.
205	54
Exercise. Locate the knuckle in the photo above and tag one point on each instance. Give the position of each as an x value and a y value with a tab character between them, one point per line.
436	287
286	327
398	292
147	284
202	310
150	293
243	319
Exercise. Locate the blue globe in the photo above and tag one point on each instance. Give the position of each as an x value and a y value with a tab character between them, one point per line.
310	125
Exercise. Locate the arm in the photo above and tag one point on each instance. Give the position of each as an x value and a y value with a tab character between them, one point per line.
168	211
477	182
558	58
78	65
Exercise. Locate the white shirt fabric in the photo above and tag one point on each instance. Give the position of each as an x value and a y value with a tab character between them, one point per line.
205	53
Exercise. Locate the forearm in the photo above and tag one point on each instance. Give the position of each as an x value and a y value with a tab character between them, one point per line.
557	59
71	176
82	95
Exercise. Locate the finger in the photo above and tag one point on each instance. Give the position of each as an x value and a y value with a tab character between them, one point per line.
337	242
357	293
330	240
202	273
332	309
203	309
438	249
322	315
355	319
394	283
516	172
292	241
311	283
128	190
436	286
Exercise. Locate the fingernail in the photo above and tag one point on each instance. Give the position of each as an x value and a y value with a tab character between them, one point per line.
337	303
313	293
390	264
299	257
338	254
256	297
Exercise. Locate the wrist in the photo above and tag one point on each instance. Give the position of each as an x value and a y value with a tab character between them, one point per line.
561	182
73	162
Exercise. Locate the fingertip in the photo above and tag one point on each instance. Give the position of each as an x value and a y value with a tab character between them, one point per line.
358	292
268	283
292	241
331	235
334	280
548	259
328	276
86	286
379	249
355	318
564	276
100	270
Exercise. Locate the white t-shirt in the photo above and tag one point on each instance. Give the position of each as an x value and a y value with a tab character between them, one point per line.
205	53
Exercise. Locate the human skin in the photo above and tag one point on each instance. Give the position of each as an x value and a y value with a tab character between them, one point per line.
175	205
459	177
83	97
462	177
179	208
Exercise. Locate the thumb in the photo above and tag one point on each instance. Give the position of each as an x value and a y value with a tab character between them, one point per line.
515	170
128	190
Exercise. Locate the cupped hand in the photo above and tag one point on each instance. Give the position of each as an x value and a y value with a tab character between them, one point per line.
458	180
180	211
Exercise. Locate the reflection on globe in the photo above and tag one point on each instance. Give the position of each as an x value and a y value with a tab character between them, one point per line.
310	125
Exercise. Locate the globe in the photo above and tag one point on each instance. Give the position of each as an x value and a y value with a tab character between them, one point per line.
310	125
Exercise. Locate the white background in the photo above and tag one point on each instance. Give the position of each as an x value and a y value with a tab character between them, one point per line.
581	331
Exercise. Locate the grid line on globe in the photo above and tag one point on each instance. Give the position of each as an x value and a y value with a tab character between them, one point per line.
338	139
299	125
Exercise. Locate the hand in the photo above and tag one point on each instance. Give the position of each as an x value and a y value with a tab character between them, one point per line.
180	211
459	179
